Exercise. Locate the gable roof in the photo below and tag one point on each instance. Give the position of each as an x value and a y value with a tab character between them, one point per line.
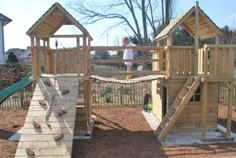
52	20
5	19
207	28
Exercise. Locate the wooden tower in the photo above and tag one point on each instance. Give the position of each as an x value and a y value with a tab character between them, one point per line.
188	98
72	62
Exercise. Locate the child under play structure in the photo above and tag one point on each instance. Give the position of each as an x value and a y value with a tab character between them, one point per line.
147	96
128	55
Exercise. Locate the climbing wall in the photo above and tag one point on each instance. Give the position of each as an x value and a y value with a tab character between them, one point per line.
54	139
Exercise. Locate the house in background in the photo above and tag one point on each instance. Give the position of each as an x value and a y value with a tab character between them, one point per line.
3	21
23	55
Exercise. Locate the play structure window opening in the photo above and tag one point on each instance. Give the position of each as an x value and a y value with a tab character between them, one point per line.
197	96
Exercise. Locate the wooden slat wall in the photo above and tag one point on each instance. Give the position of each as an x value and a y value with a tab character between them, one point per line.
219	61
182	60
68	61
192	114
156	101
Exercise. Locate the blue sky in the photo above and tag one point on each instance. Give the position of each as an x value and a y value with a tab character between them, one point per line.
25	13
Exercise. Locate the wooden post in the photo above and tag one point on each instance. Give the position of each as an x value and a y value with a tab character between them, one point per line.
229	118
33	57
205	62
77	42
204	109
217	39
38	65
196	38
156	55
47	59
169	40
85	55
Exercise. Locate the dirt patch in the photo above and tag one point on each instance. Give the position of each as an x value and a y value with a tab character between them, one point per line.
124	133
119	133
11	121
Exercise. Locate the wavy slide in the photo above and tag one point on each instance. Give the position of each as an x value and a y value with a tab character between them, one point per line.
15	87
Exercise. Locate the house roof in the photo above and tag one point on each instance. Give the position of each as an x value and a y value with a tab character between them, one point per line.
4	19
207	28
52	20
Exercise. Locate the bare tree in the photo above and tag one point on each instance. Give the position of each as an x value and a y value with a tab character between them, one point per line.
126	12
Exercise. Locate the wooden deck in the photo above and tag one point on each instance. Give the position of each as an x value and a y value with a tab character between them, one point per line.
41	141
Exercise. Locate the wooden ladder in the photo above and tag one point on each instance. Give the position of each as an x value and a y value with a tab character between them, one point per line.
177	107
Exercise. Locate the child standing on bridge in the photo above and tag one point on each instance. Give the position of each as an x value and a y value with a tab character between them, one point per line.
128	55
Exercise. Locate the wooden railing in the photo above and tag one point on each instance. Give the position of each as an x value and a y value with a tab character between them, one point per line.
67	61
216	61
116	66
213	61
180	60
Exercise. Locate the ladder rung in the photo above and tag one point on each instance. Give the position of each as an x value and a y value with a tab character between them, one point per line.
162	126
188	87
181	97
175	107
168	117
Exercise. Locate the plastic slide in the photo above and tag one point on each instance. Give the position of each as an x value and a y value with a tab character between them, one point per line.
15	87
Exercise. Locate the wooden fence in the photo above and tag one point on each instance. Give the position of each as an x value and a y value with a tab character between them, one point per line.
20	99
111	94
224	94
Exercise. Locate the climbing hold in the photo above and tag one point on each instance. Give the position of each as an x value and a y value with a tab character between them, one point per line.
36	125
30	152
62	112
43	103
58	137
65	91
47	83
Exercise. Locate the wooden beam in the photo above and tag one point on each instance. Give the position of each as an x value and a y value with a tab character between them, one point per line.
67	36
196	38
229	117
121	60
188	30
121	48
105	73
204	109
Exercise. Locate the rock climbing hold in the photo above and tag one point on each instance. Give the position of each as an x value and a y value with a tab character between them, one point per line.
62	112
65	91
36	125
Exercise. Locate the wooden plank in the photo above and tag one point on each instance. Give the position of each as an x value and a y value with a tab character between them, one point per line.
213	63
48	144
43	156
41	140
229	117
219	62
41	119
46	152
226	62
196	38
204	110
44	138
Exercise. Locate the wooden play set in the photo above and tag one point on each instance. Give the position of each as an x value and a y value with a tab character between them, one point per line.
184	82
